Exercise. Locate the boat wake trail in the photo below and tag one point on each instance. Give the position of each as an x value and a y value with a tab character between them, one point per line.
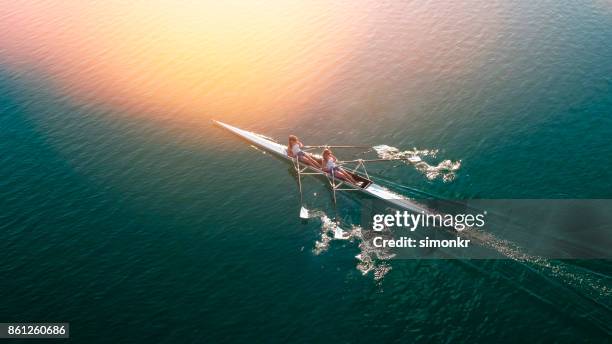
370	259
592	285
445	170
377	260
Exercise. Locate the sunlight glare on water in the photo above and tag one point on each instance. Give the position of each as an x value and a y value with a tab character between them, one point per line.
235	59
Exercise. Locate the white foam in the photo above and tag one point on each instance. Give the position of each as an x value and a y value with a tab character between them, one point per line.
370	259
445	170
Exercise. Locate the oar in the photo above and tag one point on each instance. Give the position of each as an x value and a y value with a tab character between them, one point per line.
338	232
327	146
303	210
377	160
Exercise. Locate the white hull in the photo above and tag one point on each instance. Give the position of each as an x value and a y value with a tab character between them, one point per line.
280	150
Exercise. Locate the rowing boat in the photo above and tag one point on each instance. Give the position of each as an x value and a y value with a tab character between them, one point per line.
366	185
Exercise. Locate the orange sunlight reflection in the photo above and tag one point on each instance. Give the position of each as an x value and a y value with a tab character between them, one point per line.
243	61
201	59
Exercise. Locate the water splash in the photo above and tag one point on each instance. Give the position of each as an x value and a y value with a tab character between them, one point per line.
445	170
370	258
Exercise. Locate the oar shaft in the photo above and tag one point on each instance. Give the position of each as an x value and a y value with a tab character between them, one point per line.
373	160
326	146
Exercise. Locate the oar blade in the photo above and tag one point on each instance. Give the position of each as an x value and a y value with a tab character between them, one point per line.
303	213
339	233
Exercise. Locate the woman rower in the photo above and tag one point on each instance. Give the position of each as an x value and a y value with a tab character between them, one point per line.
294	150
329	166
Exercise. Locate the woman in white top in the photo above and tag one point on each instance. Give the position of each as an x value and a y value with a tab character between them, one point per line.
294	150
329	166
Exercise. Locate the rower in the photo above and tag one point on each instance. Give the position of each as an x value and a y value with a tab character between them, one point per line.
294	150
329	166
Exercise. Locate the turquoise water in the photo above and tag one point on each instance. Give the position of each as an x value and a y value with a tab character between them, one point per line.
139	224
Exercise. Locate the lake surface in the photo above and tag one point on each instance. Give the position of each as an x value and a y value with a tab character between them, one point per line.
127	214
